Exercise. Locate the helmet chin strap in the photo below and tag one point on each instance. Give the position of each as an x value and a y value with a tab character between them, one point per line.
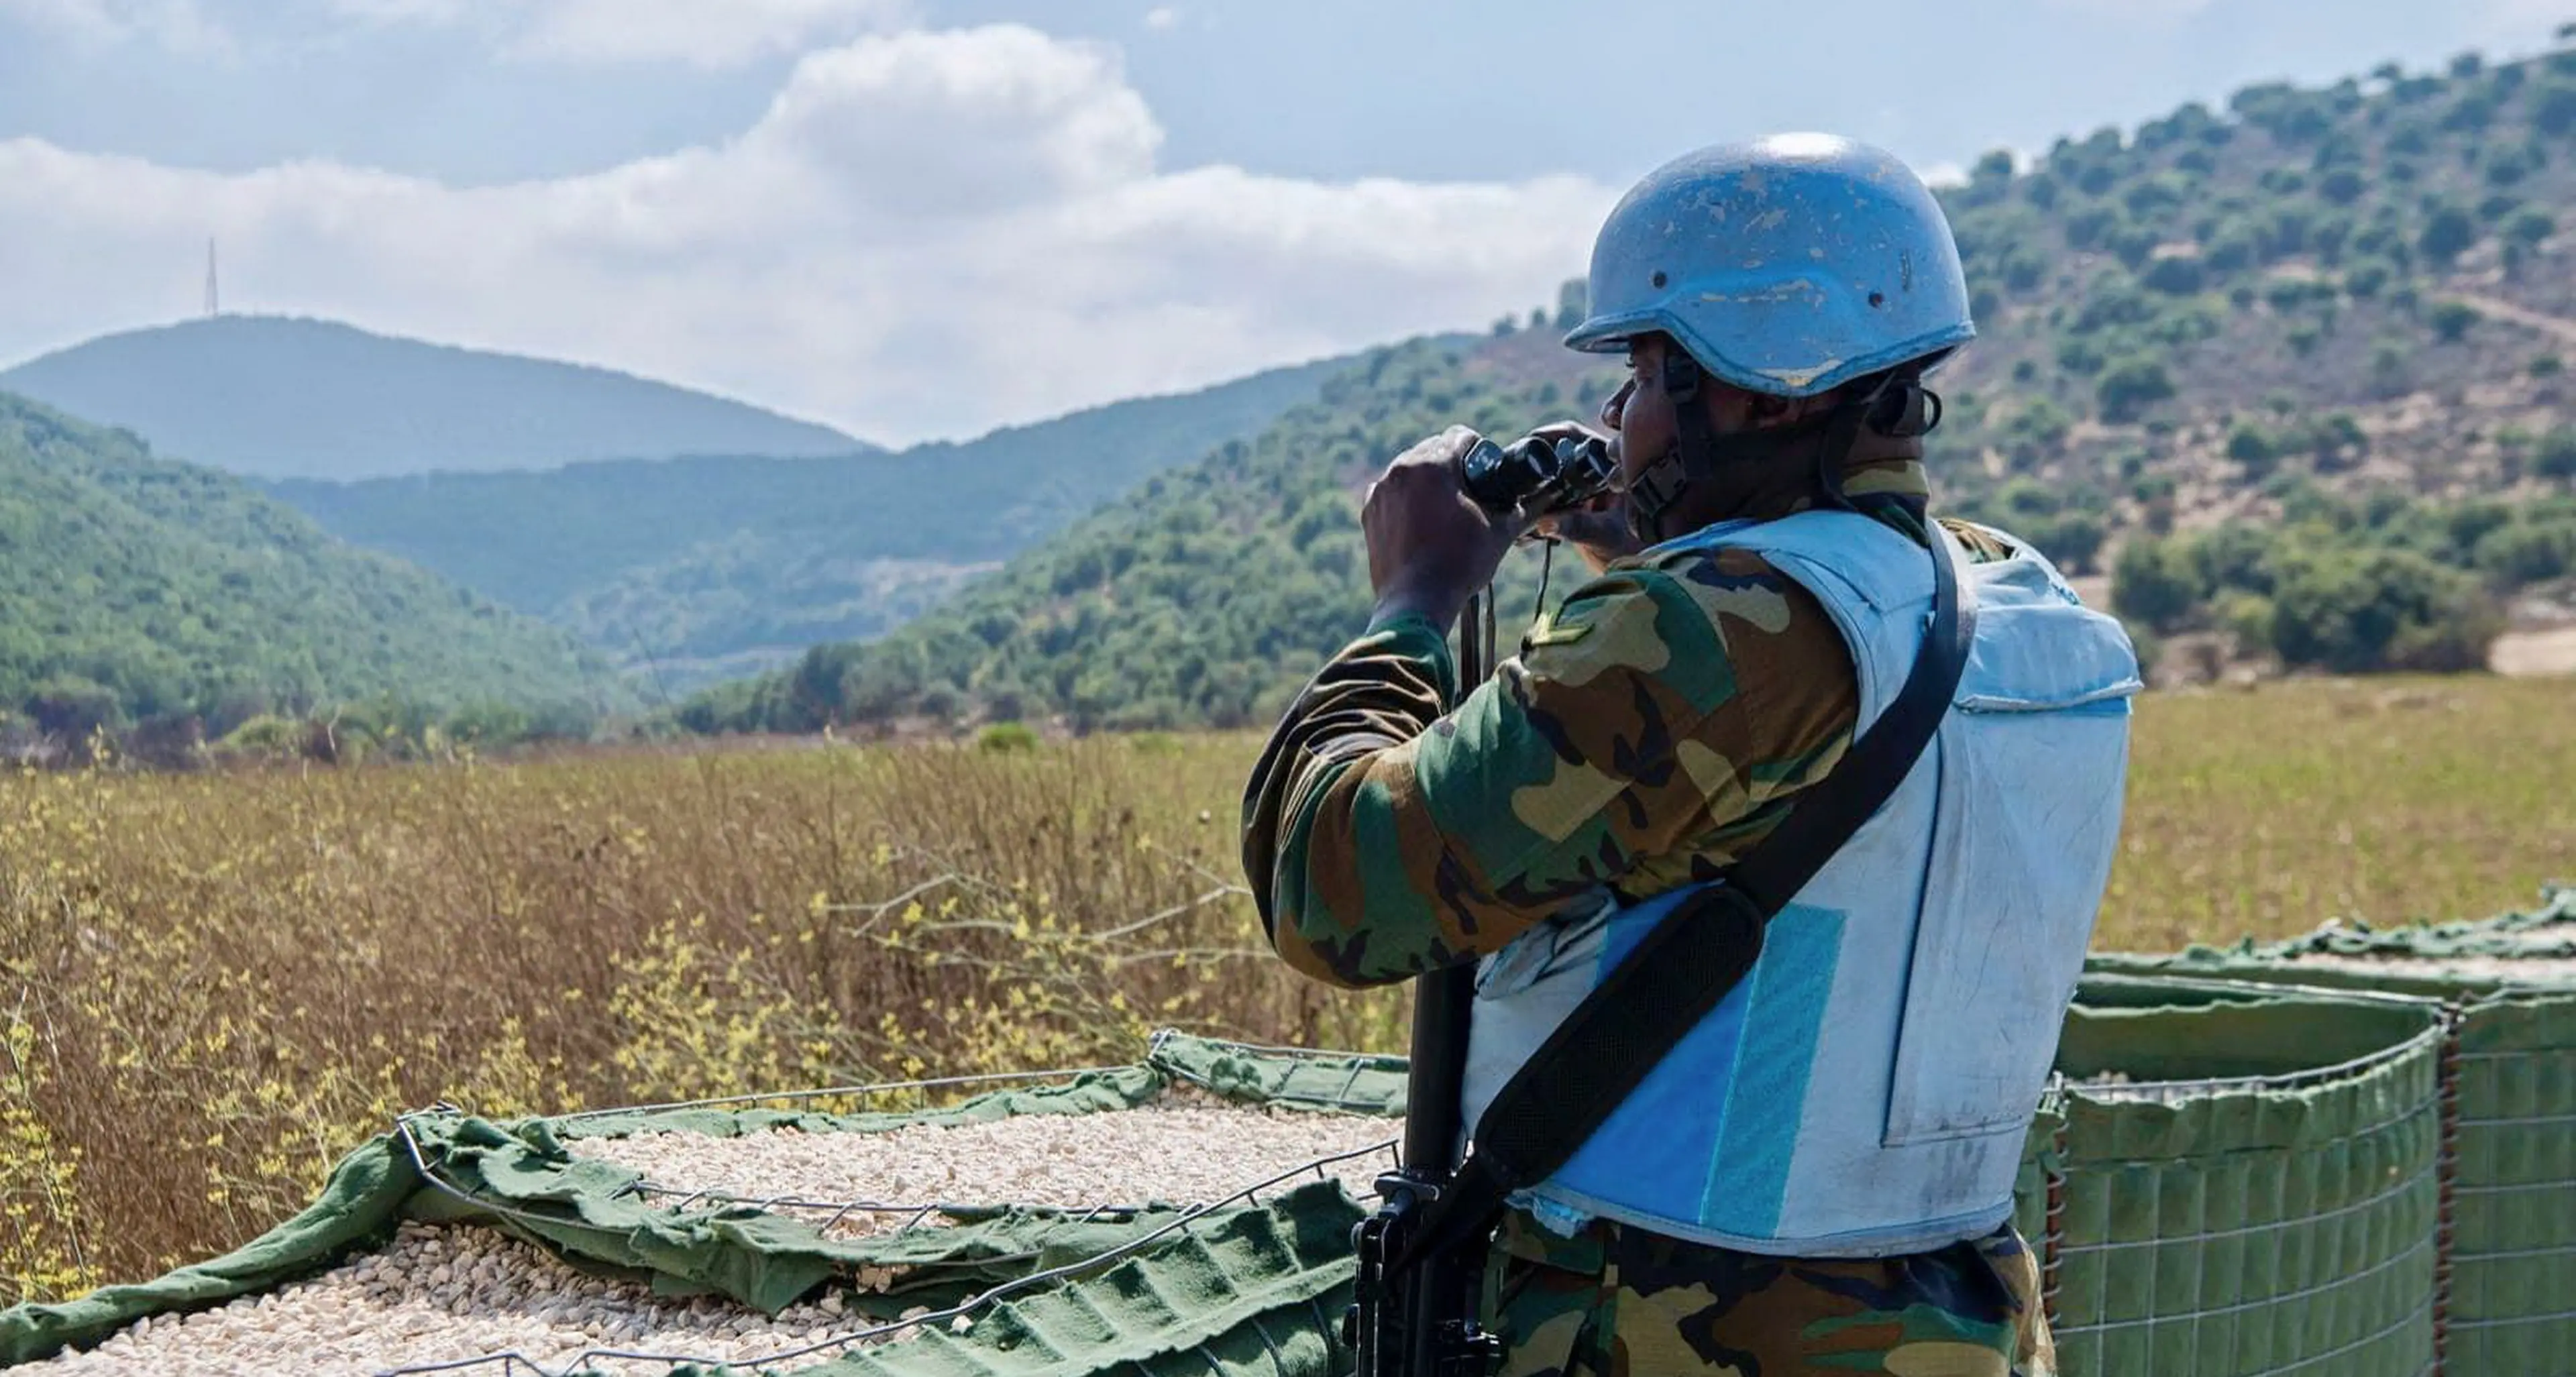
1693	456
1899	407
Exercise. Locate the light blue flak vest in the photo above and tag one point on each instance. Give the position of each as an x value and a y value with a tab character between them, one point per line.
1866	1089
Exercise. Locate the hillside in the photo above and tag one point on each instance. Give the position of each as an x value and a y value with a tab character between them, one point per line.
134	589
278	397
696	568
1203	598
2336	304
2363	285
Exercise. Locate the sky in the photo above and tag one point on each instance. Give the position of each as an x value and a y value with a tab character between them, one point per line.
919	219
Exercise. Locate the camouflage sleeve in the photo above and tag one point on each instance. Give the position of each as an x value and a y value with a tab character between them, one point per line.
1654	727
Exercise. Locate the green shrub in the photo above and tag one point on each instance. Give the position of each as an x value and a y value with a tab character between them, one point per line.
2507	166
2452	319
2250	446
2327	237
2153	583
2448	233
71	707
2249	617
2092	227
2129	387
2524	552
2472	113
2041	425
2290	293
2356	611
2179	275
2556	457
2553	107
1001	738
2236	250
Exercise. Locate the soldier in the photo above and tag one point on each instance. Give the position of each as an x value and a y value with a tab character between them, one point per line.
1818	1179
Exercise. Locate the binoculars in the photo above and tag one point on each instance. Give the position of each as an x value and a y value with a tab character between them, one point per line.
1534	475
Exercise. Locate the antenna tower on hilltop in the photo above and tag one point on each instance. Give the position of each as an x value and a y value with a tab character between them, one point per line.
214	303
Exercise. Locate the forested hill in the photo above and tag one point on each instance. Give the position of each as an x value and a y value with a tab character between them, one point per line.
1201	598
135	589
2333	309
696	567
277	397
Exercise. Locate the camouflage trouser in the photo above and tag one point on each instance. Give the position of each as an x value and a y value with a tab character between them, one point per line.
1616	1302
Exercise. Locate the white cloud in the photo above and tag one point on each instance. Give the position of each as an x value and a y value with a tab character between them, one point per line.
704	33
178	25
928	233
710	33
1163	17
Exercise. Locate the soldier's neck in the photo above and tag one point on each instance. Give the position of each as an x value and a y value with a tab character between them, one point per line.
1882	476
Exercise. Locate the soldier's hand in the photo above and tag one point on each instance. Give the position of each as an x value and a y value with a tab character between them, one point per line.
1598	528
1430	546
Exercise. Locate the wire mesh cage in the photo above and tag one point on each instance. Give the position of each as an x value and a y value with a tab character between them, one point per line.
2239	1181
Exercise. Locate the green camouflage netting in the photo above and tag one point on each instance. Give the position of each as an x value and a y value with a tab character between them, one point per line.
2232	1179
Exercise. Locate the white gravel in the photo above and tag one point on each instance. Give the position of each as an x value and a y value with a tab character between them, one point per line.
441	1294
1181	1149
2520	970
2118	1085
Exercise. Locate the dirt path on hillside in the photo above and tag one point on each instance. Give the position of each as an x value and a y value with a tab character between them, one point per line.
2559	326
2534	654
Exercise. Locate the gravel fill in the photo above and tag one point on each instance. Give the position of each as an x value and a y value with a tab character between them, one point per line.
2117	1085
446	1293
442	1293
2521	970
1180	1149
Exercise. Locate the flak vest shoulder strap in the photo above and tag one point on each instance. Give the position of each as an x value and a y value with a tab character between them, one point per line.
1697	953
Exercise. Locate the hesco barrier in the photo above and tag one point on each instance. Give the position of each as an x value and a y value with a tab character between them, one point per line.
2508	1305
2232	1181
2229	1180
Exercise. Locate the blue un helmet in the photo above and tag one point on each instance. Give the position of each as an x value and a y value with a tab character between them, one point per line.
1790	266
1787	265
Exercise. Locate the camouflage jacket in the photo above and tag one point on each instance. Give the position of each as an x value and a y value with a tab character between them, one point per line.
1663	721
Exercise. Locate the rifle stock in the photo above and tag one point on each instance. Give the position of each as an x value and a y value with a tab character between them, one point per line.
1421	1320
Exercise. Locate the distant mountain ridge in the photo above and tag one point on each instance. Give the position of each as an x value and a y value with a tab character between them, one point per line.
2297	372
292	397
706	566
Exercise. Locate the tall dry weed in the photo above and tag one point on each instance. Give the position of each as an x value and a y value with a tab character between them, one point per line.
244	975
216	984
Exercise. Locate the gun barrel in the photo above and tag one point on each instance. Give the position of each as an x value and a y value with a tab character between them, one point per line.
1442	1002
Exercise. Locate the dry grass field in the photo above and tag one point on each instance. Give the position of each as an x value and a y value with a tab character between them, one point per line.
211	985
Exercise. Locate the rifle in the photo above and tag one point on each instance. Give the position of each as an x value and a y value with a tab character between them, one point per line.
1420	1320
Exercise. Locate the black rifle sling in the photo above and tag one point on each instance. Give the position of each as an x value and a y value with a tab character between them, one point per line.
1604	1049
